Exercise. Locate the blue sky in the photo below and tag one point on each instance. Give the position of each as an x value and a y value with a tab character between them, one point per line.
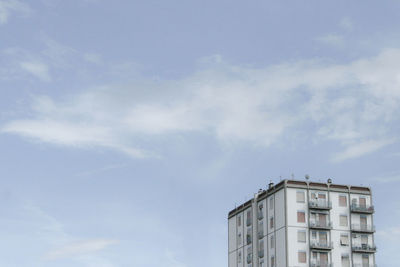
129	129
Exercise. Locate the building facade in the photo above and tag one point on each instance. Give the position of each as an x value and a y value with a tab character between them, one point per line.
302	223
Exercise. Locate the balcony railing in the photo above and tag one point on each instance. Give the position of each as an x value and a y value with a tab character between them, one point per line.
364	248
363	228
261	253
364	265
321	204
249	258
321	264
362	208
315	244
248	221
248	239
260	234
316	224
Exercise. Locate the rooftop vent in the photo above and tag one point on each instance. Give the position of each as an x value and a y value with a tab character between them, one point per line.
270	185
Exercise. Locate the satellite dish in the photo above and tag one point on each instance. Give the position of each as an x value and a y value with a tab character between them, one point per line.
307	177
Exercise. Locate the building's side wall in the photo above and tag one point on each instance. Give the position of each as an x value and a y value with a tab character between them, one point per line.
337	230
280	231
232	241
294	246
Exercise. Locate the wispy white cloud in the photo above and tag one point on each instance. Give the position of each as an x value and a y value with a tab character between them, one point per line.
93	58
363	148
347	23
38	69
7	7
79	248
354	104
332	39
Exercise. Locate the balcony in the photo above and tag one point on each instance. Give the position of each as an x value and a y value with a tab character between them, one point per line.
364	248
362	208
248	239
248	221
260	234
362	228
321	264
315	224
249	258
363	265
321	245
320	204
261	253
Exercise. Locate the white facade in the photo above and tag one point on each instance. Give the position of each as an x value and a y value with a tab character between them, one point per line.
299	224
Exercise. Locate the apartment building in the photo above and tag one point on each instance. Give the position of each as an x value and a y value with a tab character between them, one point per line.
303	223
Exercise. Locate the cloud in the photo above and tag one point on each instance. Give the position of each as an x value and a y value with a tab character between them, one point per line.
331	39
363	148
354	104
347	24
38	69
9	6
79	248
93	58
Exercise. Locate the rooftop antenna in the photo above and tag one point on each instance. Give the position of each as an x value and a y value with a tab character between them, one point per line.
292	176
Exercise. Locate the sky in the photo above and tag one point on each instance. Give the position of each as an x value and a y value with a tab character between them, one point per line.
129	129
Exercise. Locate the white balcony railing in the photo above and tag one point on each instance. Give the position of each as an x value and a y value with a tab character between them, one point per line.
362	208
319	204
320	224
321	264
317	244
363	228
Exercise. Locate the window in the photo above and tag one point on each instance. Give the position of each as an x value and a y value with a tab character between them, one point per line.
239	221
271	203
248	236
248	218
272	261
260	229
301	236
364	240
272	242
261	249
260	211
345	260
343	220
302	257
365	260
271	222
344	239
249	255
301	217
239	240
300	198
239	257
342	201
321	196
363	202
313	196
314	235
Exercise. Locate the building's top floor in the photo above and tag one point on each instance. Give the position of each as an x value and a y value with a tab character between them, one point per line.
329	186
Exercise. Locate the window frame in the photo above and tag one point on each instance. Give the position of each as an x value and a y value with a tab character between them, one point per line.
304	213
